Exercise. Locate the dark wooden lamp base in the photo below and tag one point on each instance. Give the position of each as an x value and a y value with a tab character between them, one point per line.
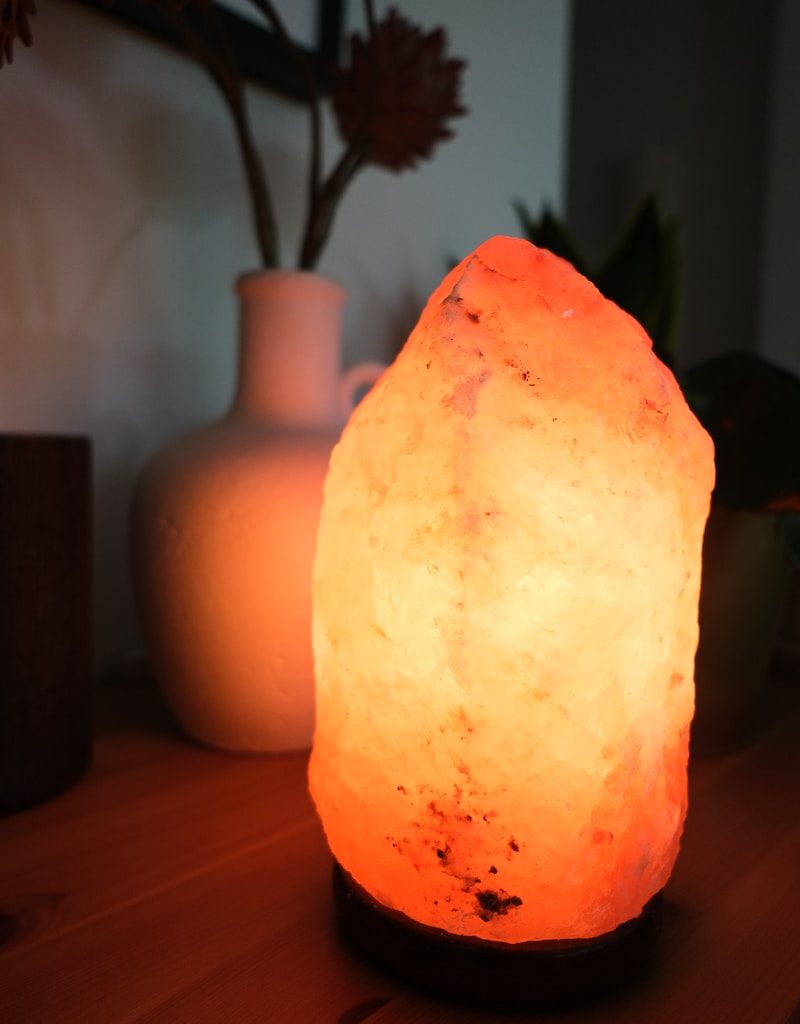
494	973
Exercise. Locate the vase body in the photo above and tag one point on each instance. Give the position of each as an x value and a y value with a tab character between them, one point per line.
225	522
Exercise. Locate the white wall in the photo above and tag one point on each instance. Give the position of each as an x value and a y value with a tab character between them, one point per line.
673	99
779	327
123	221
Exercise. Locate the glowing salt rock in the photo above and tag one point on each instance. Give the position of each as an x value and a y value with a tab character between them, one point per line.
506	591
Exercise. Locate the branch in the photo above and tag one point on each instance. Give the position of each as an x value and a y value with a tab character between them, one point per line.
321	214
227	80
306	72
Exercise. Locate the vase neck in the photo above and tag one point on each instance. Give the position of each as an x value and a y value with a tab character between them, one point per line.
289	348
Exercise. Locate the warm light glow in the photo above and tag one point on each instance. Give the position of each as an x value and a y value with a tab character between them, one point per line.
505	622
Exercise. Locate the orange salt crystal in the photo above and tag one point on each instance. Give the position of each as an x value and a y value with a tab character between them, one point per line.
505	611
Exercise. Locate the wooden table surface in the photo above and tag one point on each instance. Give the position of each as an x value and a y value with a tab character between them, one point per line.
179	884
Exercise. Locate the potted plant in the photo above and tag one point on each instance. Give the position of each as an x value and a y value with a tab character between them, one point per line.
751	408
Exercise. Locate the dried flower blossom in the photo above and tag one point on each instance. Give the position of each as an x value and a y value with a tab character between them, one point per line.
398	93
14	24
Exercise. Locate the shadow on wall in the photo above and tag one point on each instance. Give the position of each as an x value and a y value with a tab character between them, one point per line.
115	319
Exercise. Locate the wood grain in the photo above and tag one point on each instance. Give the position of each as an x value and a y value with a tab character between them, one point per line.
178	883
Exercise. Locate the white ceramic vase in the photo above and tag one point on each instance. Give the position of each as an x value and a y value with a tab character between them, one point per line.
225	522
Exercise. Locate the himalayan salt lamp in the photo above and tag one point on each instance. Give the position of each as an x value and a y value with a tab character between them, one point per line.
505	623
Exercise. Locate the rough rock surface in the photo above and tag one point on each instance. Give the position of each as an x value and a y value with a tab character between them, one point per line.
505	621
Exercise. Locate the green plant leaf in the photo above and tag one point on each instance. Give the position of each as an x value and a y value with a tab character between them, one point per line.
549	233
641	275
663	321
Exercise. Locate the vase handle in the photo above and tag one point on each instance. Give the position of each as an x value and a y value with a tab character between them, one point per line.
362	375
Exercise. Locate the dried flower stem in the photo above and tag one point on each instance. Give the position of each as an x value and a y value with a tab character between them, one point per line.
321	215
221	68
321	212
323	198
266	226
306	72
